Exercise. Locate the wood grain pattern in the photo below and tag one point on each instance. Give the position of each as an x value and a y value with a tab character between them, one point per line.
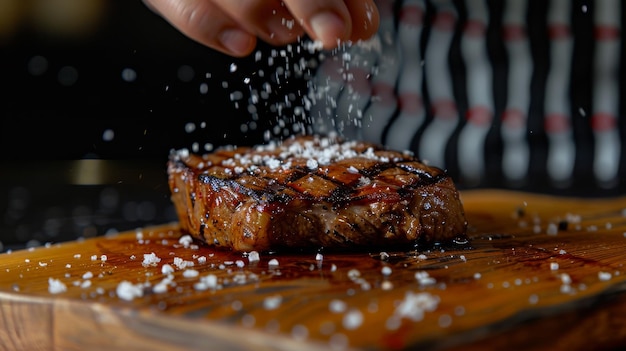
541	272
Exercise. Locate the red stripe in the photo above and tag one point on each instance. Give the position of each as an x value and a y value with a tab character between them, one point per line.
606	32
384	93
514	119
444	21
479	115
475	28
412	14
556	122
601	122
558	31
445	109
410	103
514	32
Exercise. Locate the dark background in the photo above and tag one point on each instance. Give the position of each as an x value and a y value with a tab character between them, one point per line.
90	112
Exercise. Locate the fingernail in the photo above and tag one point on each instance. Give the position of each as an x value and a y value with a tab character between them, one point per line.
328	28
236	41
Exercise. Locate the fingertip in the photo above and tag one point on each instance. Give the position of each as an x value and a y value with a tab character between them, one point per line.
329	28
365	22
237	42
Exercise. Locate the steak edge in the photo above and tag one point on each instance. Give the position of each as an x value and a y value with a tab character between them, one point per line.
313	192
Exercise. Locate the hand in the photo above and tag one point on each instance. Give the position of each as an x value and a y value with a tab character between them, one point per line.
233	26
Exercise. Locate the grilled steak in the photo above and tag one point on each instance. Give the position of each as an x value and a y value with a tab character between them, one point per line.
312	191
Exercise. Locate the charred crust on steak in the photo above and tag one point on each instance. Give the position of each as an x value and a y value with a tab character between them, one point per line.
313	191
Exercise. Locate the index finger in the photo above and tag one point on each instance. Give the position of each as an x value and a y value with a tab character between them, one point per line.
332	21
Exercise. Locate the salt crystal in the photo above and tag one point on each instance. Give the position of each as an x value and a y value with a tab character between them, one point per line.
273	263
159	288
415	305
554	266
150	259
424	278
182	264
604	276
190	273
55	286
552	229
353	319
253	256
185	240
87	275
337	306
272	302
167	269
386	270
128	291
566	279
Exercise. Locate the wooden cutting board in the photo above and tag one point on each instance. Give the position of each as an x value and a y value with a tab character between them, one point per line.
540	272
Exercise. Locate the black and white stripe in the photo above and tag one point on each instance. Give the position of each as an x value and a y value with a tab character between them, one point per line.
519	93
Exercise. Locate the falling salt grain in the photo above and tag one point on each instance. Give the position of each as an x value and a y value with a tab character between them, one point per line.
554	266
87	275
94	257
